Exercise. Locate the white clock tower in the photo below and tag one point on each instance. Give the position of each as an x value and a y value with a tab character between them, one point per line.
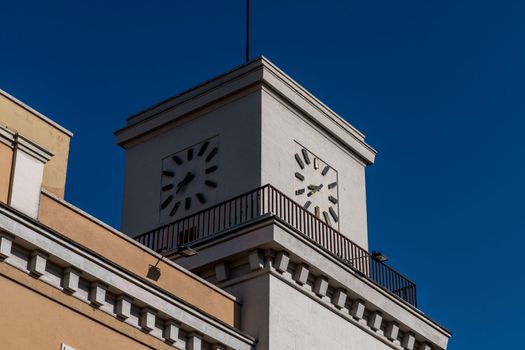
267	184
263	128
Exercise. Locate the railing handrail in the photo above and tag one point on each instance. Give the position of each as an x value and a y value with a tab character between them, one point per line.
269	200
201	211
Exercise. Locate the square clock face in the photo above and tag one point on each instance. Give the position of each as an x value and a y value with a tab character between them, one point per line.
189	180
316	186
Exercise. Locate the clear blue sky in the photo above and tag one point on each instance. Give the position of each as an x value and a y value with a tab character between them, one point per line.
438	87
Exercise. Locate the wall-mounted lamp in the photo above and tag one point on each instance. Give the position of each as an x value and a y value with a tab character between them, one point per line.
378	256
186	251
154	272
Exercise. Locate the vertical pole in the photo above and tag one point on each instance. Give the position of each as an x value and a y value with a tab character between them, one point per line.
247	31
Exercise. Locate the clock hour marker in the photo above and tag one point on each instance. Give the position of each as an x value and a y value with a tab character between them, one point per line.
211	169
212	154
187	203
334	215
316	163
168	173
203	148
201	198
332	185
190	154
307	204
174	209
177	160
166	202
305	156
325	170
167	187
332	199
299	161
317	211
300	191
210	183
299	176
327	218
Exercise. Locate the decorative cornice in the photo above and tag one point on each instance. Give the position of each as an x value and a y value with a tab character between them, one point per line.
129	240
327	293
259	72
24	144
105	276
271	231
7	136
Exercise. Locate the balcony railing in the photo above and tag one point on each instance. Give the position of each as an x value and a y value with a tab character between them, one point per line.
267	200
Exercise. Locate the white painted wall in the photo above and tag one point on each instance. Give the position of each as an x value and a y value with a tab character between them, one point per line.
283	318
237	126
281	129
254	151
255	311
26	183
299	322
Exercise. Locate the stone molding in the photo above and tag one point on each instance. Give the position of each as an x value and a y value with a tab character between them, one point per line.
19	142
259	72
133	242
103	279
320	288
24	144
269	231
7	136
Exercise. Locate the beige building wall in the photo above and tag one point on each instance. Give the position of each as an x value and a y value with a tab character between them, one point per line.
20	118
80	228
37	316
6	159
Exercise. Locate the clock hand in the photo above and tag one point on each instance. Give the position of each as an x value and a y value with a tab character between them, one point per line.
314	189
183	180
187	179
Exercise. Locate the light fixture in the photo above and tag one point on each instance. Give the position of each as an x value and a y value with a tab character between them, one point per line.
186	251
378	256
153	270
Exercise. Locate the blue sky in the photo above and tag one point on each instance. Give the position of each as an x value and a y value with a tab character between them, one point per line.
438	87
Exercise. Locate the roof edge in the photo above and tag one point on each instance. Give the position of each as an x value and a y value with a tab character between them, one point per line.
35	112
257	71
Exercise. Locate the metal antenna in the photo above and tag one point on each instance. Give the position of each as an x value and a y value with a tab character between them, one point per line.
247	31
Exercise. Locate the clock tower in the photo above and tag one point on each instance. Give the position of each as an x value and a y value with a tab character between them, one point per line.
255	185
247	128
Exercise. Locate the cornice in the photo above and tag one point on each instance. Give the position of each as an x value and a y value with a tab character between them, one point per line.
129	240
257	72
24	144
272	233
7	136
24	230
17	141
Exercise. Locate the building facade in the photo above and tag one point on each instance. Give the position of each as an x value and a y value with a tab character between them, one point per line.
243	227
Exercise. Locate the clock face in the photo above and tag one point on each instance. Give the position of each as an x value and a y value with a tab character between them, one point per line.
316	187
189	179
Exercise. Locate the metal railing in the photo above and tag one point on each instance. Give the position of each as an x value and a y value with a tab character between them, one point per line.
268	200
